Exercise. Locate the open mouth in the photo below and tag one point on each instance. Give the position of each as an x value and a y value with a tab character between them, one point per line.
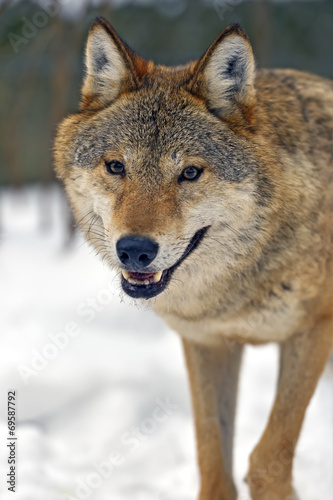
148	285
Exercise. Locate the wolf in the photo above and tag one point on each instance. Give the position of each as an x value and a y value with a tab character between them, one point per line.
208	187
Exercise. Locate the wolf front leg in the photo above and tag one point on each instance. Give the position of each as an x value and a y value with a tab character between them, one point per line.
302	360
213	373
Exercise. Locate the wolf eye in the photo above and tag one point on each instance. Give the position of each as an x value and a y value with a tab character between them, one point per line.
190	174
115	168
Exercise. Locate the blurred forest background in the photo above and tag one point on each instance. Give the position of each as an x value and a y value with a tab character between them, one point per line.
106	381
42	43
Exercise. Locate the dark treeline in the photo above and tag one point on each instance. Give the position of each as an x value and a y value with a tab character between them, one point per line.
41	58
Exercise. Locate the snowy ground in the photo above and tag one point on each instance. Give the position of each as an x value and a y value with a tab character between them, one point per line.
106	415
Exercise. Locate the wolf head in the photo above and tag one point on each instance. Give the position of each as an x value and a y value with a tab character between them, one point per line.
161	165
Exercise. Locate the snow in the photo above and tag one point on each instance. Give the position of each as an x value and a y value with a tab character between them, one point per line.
104	412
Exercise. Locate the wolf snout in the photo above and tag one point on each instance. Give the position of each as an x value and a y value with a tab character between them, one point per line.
136	252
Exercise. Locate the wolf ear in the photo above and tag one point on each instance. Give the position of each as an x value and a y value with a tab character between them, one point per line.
111	66
225	75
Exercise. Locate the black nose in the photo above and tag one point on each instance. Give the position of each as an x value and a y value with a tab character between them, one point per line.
136	252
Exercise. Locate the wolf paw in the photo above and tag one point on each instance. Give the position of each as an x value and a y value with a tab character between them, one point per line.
275	494
270	475
265	487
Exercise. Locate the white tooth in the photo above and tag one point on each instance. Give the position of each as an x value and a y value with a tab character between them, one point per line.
126	274
146	282
136	282
157	276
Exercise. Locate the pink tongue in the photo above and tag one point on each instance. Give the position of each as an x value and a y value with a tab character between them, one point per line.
141	276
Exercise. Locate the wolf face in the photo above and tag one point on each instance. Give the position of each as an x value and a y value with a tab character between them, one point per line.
160	164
